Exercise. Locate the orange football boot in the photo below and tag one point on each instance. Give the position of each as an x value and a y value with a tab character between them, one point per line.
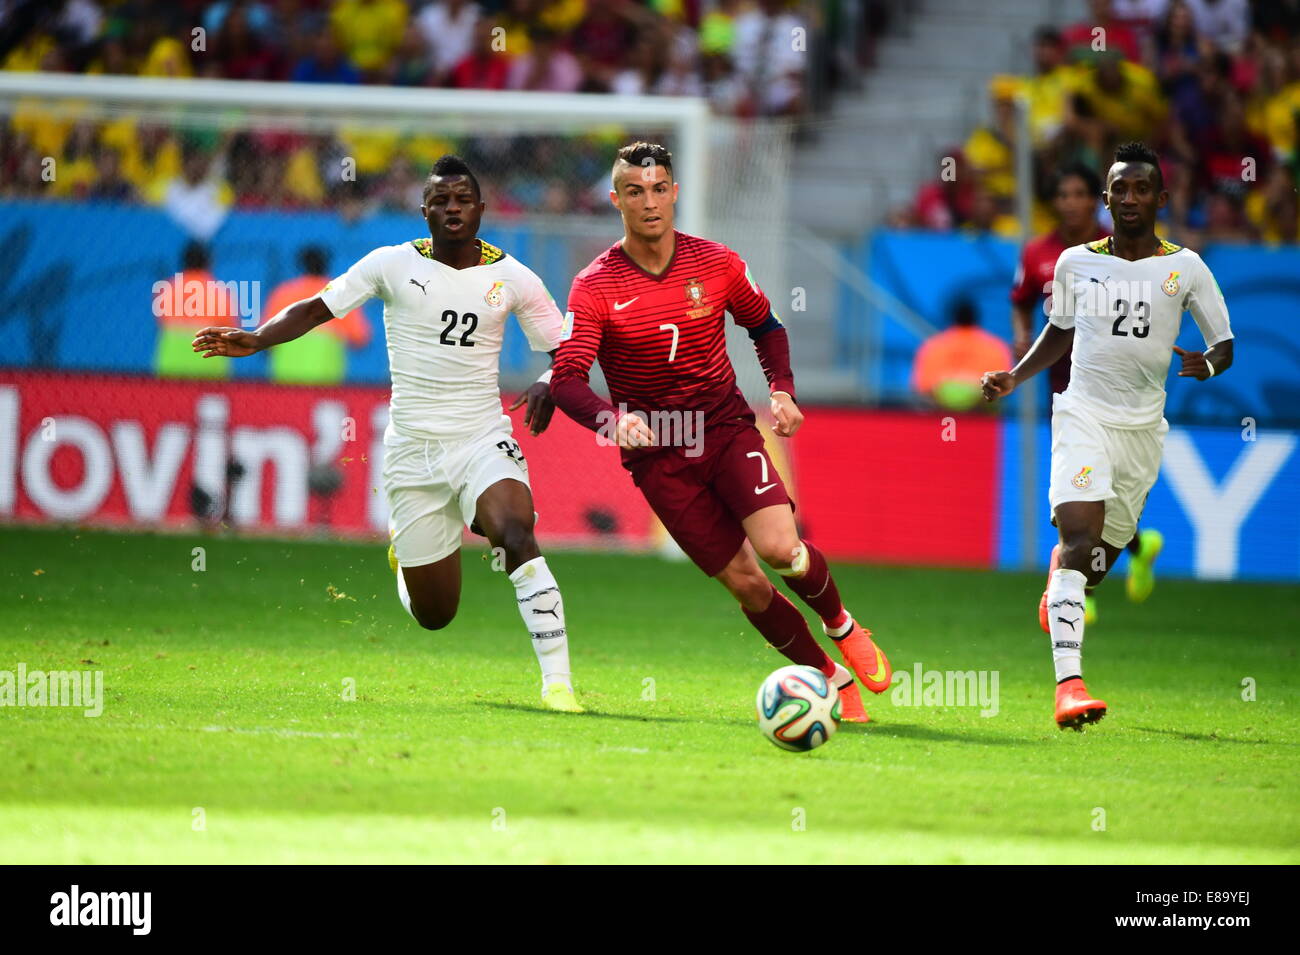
865	659
1052	566
1074	707
851	708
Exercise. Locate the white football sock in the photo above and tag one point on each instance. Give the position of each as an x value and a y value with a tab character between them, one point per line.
835	633
403	594
1065	620
842	676
542	608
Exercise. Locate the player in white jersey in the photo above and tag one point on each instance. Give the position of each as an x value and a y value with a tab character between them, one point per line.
449	457
1120	301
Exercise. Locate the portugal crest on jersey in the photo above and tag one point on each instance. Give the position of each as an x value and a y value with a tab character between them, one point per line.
1170	285
494	296
696	295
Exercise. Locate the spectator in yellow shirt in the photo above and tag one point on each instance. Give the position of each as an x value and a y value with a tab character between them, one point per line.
369	31
167	57
1053	81
1116	100
990	149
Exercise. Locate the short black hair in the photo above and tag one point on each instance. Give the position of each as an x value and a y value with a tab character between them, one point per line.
1081	170
195	255
1141	152
452	165
964	313
313	260
644	155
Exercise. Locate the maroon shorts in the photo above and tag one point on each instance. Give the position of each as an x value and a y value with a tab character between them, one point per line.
702	500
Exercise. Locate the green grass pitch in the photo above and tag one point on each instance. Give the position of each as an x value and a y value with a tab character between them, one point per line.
225	736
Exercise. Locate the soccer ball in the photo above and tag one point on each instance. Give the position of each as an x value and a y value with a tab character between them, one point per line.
798	708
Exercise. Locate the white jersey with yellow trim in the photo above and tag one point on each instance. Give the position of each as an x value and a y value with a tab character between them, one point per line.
1126	317
445	327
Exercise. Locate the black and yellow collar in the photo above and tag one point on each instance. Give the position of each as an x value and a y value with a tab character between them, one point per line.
1103	247
489	253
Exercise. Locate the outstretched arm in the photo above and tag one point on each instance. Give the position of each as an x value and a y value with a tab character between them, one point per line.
1045	352
294	322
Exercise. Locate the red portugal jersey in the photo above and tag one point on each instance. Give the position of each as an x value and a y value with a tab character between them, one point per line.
1034	283
660	339
1038	265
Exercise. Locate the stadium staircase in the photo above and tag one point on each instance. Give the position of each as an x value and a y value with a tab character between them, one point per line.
879	144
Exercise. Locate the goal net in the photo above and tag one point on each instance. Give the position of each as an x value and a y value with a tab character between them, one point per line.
118	190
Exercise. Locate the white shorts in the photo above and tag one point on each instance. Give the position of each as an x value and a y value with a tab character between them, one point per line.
1093	462
433	488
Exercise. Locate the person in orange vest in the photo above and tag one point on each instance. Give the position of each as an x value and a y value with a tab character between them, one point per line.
190	300
319	359
947	368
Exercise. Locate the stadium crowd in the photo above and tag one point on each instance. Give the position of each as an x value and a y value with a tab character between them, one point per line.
746	56
1212	85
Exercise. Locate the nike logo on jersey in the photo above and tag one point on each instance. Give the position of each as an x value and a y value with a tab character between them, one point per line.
765	487
421	285
619	306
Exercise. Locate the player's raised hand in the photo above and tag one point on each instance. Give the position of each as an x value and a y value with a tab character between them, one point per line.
633	432
786	413
215	341
1194	365
997	384
540	407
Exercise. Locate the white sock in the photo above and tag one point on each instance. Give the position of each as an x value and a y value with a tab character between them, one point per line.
542	608
1065	619
842	676
842	630
403	594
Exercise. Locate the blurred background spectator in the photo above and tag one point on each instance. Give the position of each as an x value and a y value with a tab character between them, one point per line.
320	358
1212	85
747	57
949	365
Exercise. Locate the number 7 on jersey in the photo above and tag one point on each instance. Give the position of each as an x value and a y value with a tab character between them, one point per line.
672	352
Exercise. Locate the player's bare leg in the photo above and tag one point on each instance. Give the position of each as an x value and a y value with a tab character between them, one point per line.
1143	550
504	512
431	592
785	628
1085	560
775	537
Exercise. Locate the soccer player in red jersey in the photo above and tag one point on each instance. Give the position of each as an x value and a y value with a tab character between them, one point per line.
652	310
1075	199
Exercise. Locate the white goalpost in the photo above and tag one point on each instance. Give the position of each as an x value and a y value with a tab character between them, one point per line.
253	104
732	172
